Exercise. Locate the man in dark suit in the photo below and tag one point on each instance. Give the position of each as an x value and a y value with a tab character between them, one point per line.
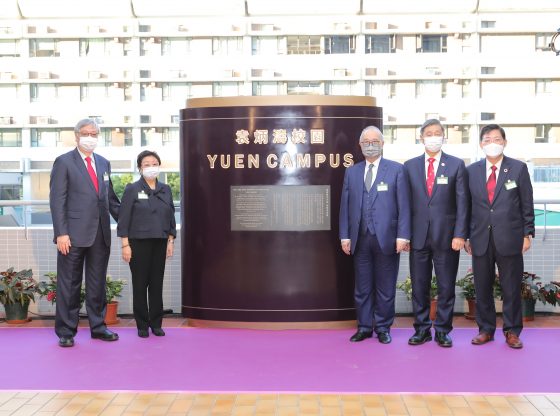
501	229
375	228
81	197
439	200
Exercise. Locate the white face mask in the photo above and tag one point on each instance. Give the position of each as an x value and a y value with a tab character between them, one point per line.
88	143
493	149
433	143
371	150
150	172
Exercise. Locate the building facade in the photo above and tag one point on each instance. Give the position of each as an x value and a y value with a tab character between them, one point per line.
132	64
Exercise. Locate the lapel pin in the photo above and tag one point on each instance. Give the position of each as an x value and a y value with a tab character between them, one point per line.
505	170
442	164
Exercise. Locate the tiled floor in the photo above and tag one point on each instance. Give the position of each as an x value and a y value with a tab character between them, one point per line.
130	403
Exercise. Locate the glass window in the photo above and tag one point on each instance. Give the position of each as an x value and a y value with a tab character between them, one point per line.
340	44
381	89
429	89
299	45
10	137
51	138
542	41
9	48
542	132
380	43
227	46
431	43
115	137
175	46
11	192
305	87
270	88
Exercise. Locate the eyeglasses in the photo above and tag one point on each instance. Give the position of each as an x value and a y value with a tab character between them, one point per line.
488	140
368	143
94	135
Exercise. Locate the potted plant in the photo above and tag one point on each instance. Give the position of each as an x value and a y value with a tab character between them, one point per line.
113	289
48	289
550	293
466	283
17	290
406	287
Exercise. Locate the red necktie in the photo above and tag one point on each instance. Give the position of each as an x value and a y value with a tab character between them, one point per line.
431	176
491	184
92	174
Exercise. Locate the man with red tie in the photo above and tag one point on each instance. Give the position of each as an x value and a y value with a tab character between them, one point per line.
81	197
439	204
502	225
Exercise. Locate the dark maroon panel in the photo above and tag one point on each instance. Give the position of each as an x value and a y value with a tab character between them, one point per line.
263	276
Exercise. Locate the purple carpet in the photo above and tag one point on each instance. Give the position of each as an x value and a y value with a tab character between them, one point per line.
235	360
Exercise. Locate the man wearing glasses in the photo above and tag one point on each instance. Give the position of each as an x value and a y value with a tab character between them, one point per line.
375	228
502	225
81	197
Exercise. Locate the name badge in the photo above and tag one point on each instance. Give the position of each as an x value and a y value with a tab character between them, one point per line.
106	177
442	180
142	195
382	187
510	185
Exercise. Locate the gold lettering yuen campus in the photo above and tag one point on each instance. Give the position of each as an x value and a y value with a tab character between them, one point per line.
281	160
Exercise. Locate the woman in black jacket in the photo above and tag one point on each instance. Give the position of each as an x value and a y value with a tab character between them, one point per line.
147	228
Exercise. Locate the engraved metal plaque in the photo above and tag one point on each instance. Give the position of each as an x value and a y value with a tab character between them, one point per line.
280	208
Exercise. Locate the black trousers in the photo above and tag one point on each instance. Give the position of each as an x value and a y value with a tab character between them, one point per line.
445	264
147	266
70	270
510	270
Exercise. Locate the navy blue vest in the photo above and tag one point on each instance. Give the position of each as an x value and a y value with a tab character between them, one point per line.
366	219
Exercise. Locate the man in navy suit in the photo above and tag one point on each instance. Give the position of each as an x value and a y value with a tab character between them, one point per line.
439	199
375	228
501	229
81	197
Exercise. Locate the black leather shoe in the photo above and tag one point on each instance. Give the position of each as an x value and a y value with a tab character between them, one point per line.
384	337
158	332
66	342
143	333
443	339
105	335
420	336
360	336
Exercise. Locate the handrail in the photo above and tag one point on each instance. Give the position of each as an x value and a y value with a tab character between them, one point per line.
33	202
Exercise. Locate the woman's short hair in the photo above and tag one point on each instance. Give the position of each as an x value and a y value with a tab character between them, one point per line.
144	154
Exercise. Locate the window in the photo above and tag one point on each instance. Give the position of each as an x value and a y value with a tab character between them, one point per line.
10	138
11	192
45	138
542	132
542	41
302	45
151	46
227	46
381	89
431	43
380	43
145	119
465	88
43	48
488	70
305	87
339	87
430	89
340	44
390	134
115	137
170	136
175	46
488	24
144	28
543	86
546	174
465	134
226	89
9	48
487	116
269	88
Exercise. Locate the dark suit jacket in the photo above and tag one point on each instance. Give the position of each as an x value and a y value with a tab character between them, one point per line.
151	217
76	208
392	207
511	215
445	212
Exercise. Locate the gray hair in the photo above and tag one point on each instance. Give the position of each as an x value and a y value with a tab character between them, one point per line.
372	128
86	122
431	122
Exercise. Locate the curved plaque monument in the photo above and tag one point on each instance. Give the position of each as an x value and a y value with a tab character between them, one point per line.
261	183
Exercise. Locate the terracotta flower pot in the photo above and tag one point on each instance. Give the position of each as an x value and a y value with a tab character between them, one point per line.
528	309
111	317
471	314
433	309
16	313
